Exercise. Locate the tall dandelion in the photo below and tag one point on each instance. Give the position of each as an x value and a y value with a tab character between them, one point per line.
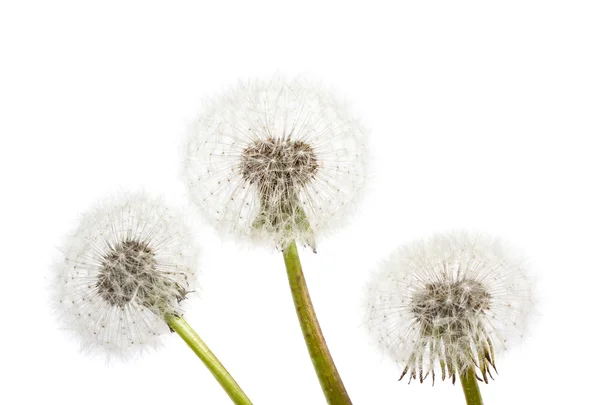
277	162
125	271
449	305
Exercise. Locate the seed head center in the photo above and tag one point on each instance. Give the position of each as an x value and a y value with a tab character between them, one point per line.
274	163
449	304
128	271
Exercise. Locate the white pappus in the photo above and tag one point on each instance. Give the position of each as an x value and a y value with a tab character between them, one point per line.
449	303
130	262
275	161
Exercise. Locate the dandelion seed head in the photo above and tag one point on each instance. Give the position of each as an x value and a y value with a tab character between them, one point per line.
129	263
449	303
276	161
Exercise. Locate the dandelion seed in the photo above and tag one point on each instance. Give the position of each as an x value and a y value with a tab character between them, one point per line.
126	267
455	301
275	161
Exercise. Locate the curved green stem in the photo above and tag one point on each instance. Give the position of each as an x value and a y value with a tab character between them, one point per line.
183	329
470	387
330	380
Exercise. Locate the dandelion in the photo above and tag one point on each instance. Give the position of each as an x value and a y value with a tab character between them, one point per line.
125	272
455	300
276	161
130	262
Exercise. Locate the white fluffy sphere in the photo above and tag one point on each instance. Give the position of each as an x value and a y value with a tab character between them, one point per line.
276	161
451	302
129	263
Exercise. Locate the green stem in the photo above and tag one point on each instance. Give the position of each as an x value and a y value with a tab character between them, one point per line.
470	387
183	329
330	380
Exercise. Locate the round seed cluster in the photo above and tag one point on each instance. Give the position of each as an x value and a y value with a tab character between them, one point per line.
276	161
448	304
129	264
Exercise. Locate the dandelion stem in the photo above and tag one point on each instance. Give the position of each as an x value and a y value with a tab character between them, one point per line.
470	387
331	382
183	329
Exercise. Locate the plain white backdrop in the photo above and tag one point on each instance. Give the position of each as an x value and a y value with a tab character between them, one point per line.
483	116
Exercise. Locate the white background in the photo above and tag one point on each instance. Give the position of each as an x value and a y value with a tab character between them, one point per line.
483	115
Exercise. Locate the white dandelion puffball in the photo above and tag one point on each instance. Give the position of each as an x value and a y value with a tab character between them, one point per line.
275	161
453	302
128	265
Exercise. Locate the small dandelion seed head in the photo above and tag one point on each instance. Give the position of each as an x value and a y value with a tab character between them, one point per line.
276	161
448	304
129	263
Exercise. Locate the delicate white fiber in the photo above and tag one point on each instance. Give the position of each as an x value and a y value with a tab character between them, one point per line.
130	262
451	302
275	161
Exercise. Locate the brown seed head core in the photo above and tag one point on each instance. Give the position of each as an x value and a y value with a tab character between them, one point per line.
129	272
447	313
449	307
279	164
